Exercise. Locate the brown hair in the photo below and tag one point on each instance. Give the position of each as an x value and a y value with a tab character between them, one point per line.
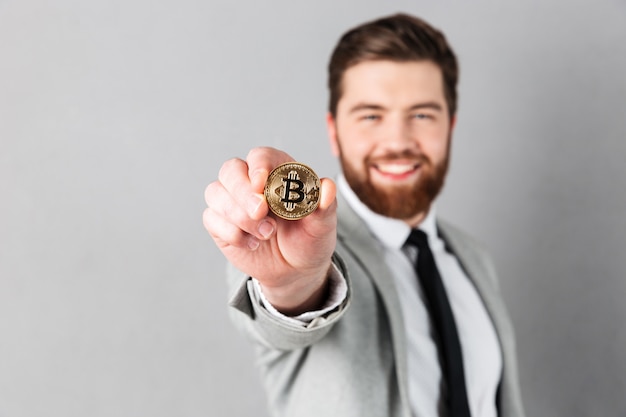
397	38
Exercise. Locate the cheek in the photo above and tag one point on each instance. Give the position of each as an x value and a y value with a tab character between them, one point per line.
440	148
352	154
354	145
437	144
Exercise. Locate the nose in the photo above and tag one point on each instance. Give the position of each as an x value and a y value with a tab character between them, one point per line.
399	135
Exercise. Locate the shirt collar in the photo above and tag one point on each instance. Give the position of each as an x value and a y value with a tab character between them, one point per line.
392	233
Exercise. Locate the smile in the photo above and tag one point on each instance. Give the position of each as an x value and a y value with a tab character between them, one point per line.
397	170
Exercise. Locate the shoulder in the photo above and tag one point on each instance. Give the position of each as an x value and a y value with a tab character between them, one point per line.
471	252
459	239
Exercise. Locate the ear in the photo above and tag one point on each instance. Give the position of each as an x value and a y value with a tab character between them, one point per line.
452	126
331	127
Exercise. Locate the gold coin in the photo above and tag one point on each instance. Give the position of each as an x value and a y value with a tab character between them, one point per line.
292	191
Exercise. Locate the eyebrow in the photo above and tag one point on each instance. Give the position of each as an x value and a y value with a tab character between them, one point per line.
365	106
433	105
371	106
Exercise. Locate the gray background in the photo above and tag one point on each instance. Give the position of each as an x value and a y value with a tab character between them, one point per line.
114	116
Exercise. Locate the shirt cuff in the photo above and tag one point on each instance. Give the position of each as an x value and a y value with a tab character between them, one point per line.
338	291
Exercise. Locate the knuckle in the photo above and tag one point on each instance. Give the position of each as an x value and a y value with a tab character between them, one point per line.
229	167
223	232
210	191
258	152
226	210
265	157
238	217
206	220
237	238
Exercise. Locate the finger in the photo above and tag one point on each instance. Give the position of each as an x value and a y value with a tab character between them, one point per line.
328	194
226	234
324	219
222	203
328	200
234	178
261	161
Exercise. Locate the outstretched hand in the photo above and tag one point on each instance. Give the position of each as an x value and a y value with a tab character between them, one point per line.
290	259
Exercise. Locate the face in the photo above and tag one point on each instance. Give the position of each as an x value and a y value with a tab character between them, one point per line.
392	134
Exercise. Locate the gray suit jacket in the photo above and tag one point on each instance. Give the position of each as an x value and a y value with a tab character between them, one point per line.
352	362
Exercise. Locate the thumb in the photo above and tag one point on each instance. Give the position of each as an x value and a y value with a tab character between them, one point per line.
324	219
328	194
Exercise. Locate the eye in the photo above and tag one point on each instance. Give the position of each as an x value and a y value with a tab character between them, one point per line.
422	116
370	117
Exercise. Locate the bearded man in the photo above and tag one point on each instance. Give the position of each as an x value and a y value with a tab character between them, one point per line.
371	305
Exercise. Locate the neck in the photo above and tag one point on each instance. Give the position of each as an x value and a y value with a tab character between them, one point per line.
416	220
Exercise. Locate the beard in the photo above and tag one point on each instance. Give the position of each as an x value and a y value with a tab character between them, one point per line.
404	201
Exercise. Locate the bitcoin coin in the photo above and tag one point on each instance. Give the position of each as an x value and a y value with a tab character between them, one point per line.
292	191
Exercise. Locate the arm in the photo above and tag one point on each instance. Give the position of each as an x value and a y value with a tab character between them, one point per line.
250	316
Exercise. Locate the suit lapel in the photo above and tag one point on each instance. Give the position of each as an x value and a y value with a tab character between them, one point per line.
365	250
484	279
478	271
357	239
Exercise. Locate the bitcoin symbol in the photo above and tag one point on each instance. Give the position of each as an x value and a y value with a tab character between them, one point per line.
290	203
292	191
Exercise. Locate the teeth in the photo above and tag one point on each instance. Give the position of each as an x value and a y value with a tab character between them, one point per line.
395	169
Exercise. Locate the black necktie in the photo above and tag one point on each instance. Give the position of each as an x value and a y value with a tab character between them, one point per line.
445	326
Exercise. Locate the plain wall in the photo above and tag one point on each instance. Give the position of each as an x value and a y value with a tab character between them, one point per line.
115	115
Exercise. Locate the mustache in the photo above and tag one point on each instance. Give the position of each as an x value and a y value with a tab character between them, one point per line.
394	156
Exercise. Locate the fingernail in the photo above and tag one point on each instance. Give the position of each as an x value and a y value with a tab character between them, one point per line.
266	229
253	243
253	204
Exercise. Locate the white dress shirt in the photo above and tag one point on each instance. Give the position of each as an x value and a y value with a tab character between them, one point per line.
482	357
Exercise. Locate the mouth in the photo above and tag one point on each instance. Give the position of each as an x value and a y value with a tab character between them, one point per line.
396	170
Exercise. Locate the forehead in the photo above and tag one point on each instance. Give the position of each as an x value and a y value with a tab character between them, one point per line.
393	82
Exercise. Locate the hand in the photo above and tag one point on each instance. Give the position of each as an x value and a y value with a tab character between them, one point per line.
290	259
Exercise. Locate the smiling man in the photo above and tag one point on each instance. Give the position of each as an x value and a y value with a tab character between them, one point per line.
391	130
372	305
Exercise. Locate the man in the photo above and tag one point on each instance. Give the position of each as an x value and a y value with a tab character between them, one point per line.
339	304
